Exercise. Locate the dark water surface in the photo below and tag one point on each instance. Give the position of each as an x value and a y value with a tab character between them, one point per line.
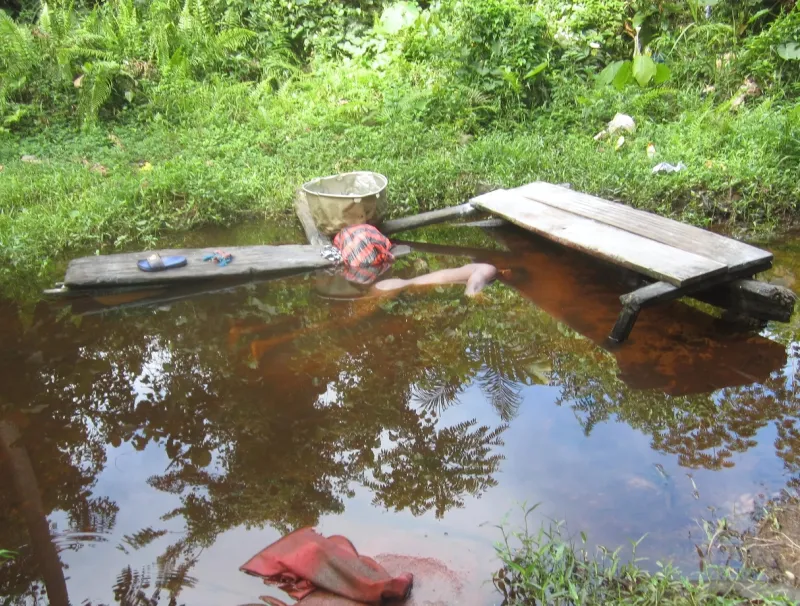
165	444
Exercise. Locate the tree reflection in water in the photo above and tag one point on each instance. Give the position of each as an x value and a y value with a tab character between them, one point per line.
286	437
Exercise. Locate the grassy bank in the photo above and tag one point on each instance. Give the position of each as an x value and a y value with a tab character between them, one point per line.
128	121
112	183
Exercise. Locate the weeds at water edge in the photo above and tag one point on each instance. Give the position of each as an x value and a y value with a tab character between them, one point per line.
546	567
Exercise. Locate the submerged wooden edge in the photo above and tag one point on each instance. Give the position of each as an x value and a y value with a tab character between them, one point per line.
215	284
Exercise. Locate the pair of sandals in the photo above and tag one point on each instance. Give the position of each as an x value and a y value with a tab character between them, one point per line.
156	262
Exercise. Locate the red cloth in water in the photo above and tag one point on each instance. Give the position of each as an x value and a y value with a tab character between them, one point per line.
303	561
363	246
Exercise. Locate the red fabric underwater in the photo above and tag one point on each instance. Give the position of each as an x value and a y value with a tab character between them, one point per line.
363	246
304	561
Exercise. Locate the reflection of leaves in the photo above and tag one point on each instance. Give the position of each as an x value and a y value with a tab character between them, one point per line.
129	590
502	391
143	538
703	430
131	585
93	515
437	393
173	575
429	469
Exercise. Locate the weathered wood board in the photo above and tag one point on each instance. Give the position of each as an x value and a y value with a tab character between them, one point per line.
121	269
112	271
736	255
649	257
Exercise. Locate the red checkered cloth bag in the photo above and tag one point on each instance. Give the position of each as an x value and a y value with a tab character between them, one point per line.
365	251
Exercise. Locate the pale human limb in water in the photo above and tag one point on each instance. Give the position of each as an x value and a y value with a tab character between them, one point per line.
476	276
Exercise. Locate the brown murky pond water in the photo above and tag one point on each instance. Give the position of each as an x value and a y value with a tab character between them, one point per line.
165	442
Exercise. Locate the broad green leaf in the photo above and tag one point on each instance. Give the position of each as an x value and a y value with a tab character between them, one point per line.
644	69
638	19
398	16
790	51
623	76
608	74
758	15
662	74
536	71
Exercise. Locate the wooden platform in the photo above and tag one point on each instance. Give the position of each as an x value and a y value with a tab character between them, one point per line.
121	269
680	259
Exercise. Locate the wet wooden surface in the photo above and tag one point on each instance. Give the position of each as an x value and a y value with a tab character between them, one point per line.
635	252
121	269
736	255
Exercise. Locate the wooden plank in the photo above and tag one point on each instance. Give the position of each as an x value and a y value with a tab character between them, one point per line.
487	255
485	223
651	258
121	269
87	269
736	255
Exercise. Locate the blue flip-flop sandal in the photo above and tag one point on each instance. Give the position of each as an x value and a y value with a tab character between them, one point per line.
156	262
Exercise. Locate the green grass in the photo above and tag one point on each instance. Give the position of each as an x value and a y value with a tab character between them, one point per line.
237	152
549	567
151	120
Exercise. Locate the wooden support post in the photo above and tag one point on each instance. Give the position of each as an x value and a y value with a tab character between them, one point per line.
751	298
627	318
743	297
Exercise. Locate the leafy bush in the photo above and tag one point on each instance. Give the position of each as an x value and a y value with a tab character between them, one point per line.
312	28
505	48
773	56
18	57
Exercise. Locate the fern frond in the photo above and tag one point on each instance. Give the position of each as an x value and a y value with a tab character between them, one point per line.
92	53
57	20
128	29
186	20
234	38
18	55
203	14
96	88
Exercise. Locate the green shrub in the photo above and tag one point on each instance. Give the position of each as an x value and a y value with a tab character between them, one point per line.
505	48
773	56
